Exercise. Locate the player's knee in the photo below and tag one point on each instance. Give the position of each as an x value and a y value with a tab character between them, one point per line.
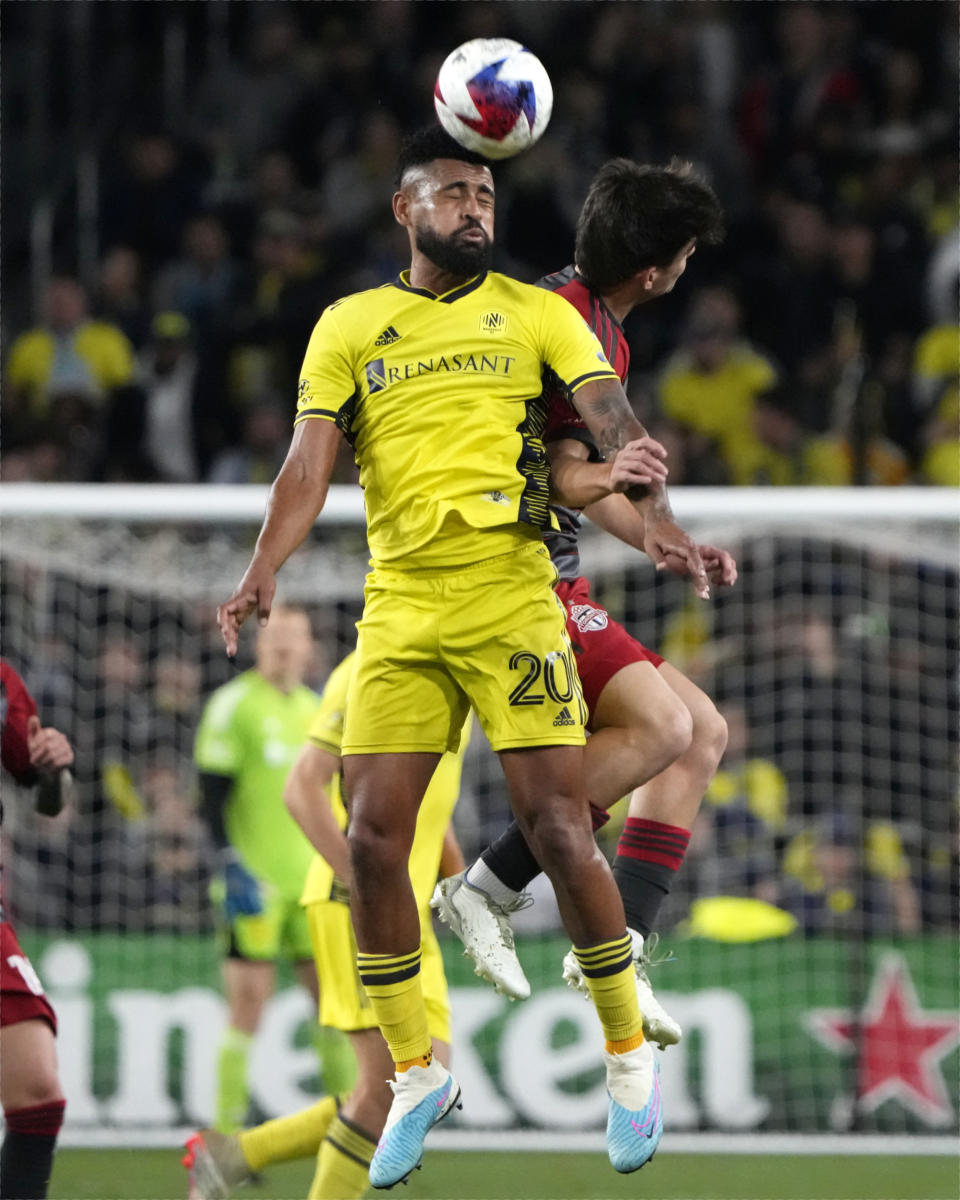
709	738
675	729
40	1085
668	724
375	849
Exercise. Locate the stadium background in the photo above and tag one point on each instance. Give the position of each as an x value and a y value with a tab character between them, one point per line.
208	177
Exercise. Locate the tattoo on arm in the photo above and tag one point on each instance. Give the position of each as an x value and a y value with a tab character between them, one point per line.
612	422
609	417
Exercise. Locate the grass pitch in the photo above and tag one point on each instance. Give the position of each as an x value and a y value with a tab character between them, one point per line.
468	1175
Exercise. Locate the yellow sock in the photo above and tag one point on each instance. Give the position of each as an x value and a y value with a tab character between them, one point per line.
392	982
609	974
298	1136
343	1163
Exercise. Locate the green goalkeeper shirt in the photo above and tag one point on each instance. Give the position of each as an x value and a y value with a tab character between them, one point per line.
252	732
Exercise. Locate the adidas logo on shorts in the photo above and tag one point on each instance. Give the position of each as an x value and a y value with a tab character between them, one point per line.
388	337
563	717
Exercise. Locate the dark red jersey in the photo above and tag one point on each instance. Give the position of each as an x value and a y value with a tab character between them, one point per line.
563	420
17	706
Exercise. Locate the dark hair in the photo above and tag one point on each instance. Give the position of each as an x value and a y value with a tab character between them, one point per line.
428	144
640	216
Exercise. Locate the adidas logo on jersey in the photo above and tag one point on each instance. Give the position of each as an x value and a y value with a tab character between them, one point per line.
563	717
388	337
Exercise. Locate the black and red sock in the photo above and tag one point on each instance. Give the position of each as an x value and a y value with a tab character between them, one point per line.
649	854
511	859
26	1158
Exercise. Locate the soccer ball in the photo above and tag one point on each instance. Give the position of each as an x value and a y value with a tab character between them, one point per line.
493	96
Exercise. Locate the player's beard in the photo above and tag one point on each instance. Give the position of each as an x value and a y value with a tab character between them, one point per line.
453	255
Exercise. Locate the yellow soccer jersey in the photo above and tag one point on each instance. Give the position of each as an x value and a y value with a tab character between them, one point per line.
720	404
435	811
442	398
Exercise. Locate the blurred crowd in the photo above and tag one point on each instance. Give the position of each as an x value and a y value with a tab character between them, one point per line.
817	345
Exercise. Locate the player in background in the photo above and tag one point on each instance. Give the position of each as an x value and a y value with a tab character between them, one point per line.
250	732
652	729
30	1092
342	1133
436	379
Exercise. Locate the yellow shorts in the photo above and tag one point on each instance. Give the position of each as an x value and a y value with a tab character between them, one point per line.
343	1002
280	931
491	636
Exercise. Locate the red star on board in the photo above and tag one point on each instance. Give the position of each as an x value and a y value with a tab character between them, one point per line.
901	1044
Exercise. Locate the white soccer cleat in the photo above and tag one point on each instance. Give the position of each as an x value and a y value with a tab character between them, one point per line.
483	926
422	1096
635	1115
658	1025
215	1165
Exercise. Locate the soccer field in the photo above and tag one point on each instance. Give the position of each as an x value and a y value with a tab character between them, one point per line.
468	1175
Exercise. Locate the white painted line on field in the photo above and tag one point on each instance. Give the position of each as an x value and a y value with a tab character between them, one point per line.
535	1140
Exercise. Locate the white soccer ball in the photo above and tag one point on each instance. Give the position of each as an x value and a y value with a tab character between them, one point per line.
493	96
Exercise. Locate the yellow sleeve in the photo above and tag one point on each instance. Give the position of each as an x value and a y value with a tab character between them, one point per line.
328	385
29	359
570	348
118	362
218	747
937	352
108	352
761	374
326	728
766	792
941	463
885	855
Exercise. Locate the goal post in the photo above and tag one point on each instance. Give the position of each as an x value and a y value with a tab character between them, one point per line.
241	503
812	928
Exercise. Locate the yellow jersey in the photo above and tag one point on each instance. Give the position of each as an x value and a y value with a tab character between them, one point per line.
436	810
102	353
719	405
444	401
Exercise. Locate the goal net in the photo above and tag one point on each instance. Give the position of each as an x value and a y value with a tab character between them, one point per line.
812	928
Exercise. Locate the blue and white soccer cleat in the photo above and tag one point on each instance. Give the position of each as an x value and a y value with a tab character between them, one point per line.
422	1096
635	1117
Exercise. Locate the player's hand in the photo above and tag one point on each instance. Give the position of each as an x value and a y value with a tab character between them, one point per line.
721	566
49	749
242	896
638	462
671	549
254	594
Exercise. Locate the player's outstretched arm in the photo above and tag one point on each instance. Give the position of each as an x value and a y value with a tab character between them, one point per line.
296	498
604	406
617	516
308	801
577	482
720	565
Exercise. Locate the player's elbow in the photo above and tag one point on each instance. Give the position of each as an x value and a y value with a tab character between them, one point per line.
292	802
